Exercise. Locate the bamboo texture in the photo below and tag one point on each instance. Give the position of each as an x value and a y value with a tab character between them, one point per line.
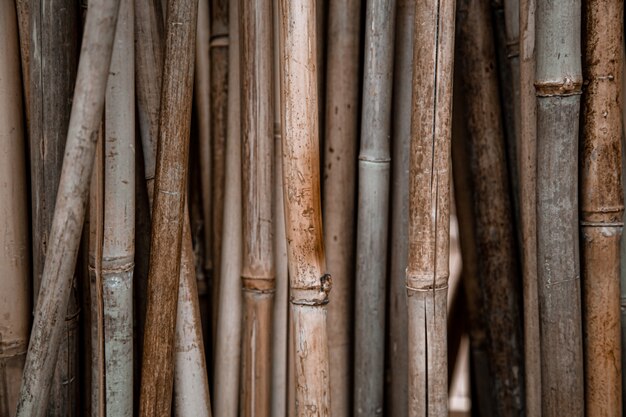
429	207
23	24
602	205
558	81
14	257
340	147
308	281
373	209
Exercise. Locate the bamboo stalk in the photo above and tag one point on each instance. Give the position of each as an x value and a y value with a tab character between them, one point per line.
602	204
373	209
14	257
429	207
228	340
558	82
23	23
340	147
512	49
309	282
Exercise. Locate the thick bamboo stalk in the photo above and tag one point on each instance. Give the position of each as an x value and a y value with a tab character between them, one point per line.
602	204
14	256
429	207
340	147
373	209
309	282
87	106
558	81
228	340
528	209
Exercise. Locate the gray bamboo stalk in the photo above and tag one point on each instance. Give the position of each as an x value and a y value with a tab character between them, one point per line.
429	207
308	281
14	257
373	209
340	147
228	340
602	204
558	81
528	209
88	103
54	43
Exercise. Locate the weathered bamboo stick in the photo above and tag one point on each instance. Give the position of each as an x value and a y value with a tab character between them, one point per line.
309	282
340	147
558	81
14	256
373	209
228	340
429	207
602	204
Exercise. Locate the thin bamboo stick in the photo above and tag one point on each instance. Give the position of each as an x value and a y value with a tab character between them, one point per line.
429	207
228	340
602	204
340	147
373	209
14	256
309	282
558	81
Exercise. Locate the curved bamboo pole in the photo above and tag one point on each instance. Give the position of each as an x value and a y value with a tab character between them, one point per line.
14	258
602	204
429	207
558	81
340	147
309	282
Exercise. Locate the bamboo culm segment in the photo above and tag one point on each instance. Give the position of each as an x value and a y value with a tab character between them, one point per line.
429	207
602	205
558	82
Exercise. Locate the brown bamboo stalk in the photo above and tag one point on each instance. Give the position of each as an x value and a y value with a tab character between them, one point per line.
309	282
602	204
23	22
340	147
429	207
14	256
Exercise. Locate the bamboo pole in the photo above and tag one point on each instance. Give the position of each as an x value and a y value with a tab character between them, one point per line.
558	81
602	204
512	49
14	257
373	209
528	211
308	281
228	340
429	207
340	147
23	24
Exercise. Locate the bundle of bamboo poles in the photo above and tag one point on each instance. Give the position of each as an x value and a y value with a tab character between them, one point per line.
304	208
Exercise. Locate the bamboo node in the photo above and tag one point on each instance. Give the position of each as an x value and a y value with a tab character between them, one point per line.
218	41
564	88
263	285
312	296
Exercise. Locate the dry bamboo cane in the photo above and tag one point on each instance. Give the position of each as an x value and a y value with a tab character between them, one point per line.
66	228
602	204
14	256
340	147
257	273
228	340
429	207
528	219
495	237
309	282
558	82
373	209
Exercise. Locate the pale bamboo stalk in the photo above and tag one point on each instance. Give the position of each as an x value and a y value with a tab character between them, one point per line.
528	209
558	81
602	204
228	340
340	148
429	207
495	236
118	248
88	103
308	281
14	256
373	209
